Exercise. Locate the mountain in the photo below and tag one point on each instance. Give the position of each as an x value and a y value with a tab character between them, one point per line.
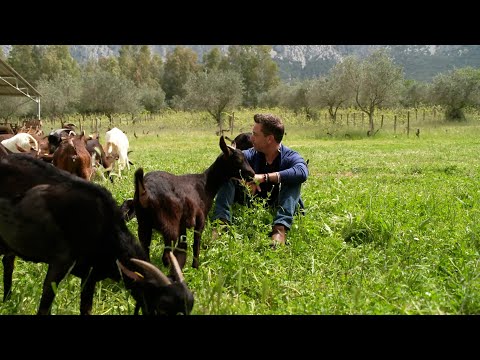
420	62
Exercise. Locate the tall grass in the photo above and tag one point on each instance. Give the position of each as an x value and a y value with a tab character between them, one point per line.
391	226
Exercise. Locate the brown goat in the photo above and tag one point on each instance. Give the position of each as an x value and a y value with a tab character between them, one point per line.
73	156
99	157
171	204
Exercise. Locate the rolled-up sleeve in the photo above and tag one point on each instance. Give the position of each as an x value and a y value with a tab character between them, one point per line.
293	168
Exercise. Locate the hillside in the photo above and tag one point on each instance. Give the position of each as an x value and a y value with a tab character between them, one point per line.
420	62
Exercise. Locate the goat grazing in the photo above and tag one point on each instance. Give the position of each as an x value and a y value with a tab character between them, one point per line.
242	141
72	155
21	142
50	216
116	143
55	138
98	155
171	203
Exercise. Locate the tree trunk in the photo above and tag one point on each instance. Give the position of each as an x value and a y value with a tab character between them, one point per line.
371	124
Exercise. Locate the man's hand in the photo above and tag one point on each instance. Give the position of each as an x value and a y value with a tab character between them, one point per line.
254	185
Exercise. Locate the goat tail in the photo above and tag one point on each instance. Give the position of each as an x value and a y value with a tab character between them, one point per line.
140	191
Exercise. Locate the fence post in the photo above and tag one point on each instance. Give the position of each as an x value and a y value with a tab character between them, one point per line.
381	123
408	123
395	124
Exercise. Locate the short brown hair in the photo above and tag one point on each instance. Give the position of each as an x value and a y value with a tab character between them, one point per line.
271	125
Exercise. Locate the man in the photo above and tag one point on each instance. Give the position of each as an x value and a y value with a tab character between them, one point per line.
279	171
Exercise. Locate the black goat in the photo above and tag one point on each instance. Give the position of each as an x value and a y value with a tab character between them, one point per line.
55	138
48	215
242	141
128	209
171	204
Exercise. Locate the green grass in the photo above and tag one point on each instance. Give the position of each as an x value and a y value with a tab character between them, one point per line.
391	226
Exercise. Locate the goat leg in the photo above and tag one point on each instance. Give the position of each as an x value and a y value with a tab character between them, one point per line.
180	251
8	265
145	236
86	296
55	274
197	236
166	250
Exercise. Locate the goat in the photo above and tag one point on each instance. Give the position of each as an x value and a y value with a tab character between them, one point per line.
21	142
242	141
98	155
172	203
72	156
116	143
55	138
50	216
128	209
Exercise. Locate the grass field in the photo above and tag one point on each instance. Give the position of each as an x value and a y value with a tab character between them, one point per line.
391	226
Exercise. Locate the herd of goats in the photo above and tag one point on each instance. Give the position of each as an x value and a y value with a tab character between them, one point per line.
51	212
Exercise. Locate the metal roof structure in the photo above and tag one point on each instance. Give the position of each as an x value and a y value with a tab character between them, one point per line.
13	84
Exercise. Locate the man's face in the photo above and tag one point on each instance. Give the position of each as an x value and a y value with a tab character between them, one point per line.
259	140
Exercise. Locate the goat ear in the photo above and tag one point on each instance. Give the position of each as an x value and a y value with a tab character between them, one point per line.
224	146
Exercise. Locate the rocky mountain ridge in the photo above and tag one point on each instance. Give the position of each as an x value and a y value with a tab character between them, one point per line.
420	62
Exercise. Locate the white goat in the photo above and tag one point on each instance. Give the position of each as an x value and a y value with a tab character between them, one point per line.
21	141
117	145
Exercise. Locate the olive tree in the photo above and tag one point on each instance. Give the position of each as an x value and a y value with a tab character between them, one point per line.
332	91
413	93
296	97
60	95
15	106
104	92
216	92
375	81
456	90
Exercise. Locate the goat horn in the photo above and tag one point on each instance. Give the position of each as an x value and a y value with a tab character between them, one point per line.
176	268
161	277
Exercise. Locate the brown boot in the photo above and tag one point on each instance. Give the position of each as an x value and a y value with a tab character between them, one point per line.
278	235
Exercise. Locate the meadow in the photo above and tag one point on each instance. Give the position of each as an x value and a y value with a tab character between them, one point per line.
391	224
